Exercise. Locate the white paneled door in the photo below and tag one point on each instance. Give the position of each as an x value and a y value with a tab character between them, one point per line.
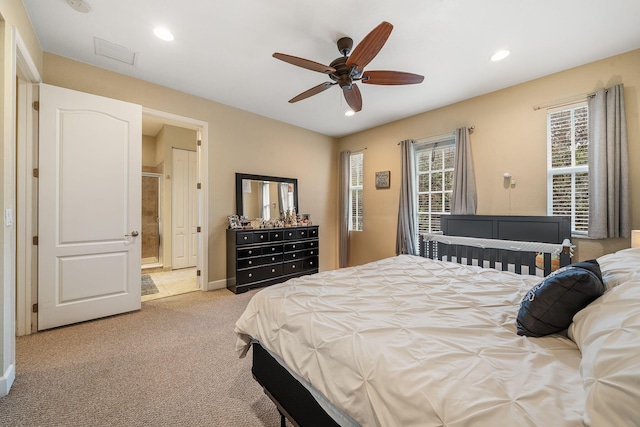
89	207
184	209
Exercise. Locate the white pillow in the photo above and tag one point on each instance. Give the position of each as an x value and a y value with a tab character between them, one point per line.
620	267
607	332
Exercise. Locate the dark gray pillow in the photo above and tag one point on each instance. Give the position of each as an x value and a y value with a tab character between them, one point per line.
549	306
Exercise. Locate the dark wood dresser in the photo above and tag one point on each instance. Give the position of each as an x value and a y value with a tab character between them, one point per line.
266	256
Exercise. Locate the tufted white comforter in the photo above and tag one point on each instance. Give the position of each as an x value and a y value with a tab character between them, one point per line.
409	341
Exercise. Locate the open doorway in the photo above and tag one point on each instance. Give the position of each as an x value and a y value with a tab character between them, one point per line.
170	207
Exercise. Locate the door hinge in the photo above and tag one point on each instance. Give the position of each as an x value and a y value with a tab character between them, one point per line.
36	172
199	229
198	273
199	142
35	240
36	105
34	308
199	186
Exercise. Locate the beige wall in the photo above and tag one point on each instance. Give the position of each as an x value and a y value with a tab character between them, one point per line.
238	142
13	17
509	137
149	152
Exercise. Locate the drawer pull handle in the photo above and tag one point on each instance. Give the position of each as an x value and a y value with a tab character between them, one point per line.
293	266
276	235
311	263
245	237
250	252
294	255
273	249
273	258
250	274
273	270
294	246
250	262
311	252
261	236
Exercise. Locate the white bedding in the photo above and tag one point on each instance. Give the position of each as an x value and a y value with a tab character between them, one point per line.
408	341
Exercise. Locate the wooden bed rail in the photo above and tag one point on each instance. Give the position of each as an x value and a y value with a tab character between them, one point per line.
506	254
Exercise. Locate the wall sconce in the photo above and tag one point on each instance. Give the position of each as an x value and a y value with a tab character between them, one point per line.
635	238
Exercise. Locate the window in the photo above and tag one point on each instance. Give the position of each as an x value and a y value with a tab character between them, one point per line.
434	161
355	191
568	164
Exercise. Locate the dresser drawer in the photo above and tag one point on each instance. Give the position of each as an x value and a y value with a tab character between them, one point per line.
257	274
260	236
249	252
261	260
249	262
290	234
275	236
292	256
310	263
290	247
293	267
244	237
271	249
310	252
310	244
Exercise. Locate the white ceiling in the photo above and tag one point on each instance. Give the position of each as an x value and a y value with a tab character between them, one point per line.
222	49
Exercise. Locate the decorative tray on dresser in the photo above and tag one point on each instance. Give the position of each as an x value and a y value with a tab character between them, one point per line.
266	256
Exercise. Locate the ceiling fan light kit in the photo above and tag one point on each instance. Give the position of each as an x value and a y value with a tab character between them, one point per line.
80	5
349	68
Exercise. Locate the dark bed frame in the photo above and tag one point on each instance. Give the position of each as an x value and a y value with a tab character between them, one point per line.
295	402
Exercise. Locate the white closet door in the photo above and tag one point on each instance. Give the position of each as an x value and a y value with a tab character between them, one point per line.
89	206
184	209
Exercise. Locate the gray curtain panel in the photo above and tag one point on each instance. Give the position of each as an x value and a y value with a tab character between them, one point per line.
464	200
609	198
406	235
343	236
283	192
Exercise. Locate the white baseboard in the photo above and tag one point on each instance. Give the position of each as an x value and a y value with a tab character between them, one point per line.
218	284
6	381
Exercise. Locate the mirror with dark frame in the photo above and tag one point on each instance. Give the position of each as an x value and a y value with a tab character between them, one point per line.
266	197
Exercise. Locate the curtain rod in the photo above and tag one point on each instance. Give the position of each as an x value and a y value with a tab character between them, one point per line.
564	101
471	129
357	151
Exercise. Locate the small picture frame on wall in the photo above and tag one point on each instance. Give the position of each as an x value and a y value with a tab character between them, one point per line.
383	179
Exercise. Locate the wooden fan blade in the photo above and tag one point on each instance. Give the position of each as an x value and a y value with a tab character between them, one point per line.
353	97
369	47
391	78
305	63
313	91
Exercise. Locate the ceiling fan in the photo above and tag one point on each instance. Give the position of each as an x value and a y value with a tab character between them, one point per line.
349	68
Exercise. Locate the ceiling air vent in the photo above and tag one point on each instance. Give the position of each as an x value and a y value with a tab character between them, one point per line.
114	51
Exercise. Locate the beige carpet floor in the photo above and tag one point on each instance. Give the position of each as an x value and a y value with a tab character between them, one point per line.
170	364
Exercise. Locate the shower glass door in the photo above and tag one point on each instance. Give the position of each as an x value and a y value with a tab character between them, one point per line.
151	236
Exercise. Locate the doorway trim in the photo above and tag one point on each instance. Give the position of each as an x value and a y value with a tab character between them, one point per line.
202	129
25	136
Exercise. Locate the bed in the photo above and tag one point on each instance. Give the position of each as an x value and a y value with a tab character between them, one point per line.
415	341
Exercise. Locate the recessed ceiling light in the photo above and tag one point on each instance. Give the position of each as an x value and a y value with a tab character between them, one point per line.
499	55
349	113
163	34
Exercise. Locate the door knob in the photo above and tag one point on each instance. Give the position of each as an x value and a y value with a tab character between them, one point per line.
134	233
